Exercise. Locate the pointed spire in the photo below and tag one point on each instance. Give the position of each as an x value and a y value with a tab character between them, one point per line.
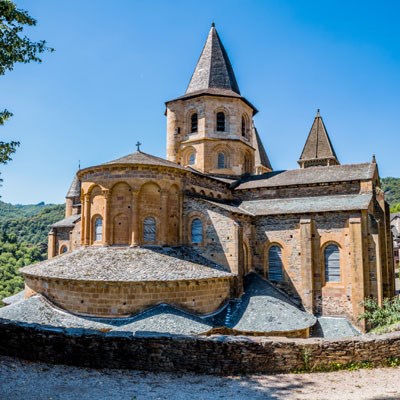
213	70
318	150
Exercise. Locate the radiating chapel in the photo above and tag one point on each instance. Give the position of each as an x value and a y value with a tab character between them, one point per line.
214	232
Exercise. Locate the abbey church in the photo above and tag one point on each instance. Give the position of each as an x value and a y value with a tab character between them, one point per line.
214	222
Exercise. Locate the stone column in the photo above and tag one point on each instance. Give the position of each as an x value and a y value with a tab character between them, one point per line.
86	213
106	217
51	247
164	217
307	265
135	220
357	265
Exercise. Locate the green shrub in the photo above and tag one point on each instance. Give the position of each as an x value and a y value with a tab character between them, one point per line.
378	316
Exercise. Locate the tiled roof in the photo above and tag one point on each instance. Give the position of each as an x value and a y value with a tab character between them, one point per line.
261	157
75	188
67	222
128	265
263	309
300	205
213	69
143	158
311	175
15	298
318	145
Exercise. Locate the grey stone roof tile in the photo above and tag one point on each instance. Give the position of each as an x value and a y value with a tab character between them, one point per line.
213	69
301	205
261	157
318	144
311	175
145	159
75	188
67	222
129	265
263	309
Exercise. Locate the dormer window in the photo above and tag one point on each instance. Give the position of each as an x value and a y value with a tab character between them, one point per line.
220	122
193	123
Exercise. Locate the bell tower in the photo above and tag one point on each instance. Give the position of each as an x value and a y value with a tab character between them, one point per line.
210	128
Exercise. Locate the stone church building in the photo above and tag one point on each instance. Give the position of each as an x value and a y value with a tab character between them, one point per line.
318	236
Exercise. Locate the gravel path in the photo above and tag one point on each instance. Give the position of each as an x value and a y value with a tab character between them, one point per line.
37	381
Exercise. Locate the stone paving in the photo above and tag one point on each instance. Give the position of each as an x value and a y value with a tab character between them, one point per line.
128	264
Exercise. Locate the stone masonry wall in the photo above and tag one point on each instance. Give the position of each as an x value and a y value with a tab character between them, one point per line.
124	298
210	355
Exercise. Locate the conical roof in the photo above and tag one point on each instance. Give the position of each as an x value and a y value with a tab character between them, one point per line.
213	70
74	189
261	157
139	157
318	149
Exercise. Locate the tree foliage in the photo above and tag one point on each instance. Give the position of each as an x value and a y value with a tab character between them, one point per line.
15	47
23	240
391	186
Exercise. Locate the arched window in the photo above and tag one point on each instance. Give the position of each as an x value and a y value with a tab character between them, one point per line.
149	229
220	122
221	163
193	123
244	126
197	231
63	249
332	263
192	159
275	270
98	229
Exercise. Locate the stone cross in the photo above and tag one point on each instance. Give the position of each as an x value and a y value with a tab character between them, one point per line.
138	144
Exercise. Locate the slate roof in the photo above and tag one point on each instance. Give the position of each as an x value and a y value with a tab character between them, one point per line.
15	298
213	69
311	175
301	205
139	157
75	188
318	144
126	264
159	319
261	157
334	328
263	309
67	222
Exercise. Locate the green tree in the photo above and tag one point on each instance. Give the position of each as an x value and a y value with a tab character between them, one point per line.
15	48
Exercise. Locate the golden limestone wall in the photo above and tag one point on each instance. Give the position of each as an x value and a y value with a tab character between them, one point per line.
303	239
124	197
207	142
124	298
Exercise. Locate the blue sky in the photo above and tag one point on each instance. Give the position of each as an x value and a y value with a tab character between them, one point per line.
117	62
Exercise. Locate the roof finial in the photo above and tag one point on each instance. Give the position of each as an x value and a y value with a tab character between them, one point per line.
213	24
373	159
138	144
318	115
79	165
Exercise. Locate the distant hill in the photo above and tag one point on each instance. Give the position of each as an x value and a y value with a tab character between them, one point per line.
23	240
391	186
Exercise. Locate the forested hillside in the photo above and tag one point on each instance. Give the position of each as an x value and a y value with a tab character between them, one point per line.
391	186
23	240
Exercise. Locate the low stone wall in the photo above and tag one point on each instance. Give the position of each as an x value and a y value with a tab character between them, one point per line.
101	298
210	355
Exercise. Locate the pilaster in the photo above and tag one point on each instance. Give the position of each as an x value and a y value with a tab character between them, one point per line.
307	267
